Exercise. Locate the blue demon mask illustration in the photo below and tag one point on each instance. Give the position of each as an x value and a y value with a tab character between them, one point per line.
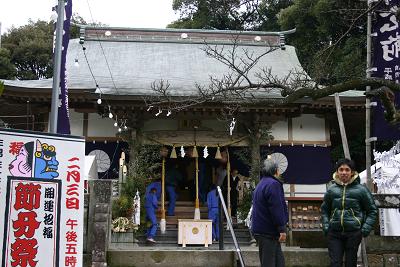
46	164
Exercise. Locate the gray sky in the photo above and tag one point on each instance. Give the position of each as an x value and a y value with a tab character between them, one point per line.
116	13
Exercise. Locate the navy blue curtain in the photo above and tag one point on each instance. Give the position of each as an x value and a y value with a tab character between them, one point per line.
386	64
306	165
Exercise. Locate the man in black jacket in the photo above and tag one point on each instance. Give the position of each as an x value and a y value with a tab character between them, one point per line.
348	214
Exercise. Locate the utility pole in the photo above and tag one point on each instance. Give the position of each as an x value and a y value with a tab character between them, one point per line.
368	104
57	66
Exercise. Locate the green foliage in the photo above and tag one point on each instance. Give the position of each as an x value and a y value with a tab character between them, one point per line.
1	87
243	154
27	52
228	14
320	23
245	205
144	163
122	207
269	10
7	69
31	50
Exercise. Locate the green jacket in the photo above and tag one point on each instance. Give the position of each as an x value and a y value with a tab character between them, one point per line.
348	207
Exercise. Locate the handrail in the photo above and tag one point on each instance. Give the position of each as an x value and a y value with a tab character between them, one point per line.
229	222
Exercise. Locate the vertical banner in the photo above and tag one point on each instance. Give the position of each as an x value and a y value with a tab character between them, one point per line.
386	62
41	199
32	222
63	125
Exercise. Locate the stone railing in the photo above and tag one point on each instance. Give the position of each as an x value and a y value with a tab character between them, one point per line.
98	222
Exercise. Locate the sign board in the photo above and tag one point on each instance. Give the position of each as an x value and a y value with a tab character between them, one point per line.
41	199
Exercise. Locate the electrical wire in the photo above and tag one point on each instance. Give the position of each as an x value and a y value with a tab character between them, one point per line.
102	49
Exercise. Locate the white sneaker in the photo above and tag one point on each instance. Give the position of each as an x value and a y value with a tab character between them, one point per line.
151	240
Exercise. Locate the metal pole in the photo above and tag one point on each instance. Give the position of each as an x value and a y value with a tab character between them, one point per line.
57	66
229	222
367	125
368	105
221	224
27	114
0	34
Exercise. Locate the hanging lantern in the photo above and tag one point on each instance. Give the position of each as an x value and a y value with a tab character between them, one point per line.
173	153
218	154
194	153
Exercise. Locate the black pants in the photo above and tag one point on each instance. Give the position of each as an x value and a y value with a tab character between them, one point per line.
346	243
270	251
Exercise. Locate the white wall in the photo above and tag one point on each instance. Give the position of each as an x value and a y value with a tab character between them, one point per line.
306	190
279	130
76	122
308	127
101	127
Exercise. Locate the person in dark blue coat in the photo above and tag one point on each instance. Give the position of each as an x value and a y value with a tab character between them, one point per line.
157	186
269	216
212	204
173	178
151	204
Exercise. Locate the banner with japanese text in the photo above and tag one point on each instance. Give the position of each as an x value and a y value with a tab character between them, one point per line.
386	62
32	222
41	199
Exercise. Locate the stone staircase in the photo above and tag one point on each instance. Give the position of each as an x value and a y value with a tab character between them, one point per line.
185	210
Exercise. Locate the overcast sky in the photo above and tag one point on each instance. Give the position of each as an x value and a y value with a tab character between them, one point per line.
116	13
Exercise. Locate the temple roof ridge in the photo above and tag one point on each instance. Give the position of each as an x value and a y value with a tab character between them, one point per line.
257	38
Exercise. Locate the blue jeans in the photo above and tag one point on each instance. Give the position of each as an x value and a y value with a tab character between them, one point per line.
151	216
213	215
172	200
346	243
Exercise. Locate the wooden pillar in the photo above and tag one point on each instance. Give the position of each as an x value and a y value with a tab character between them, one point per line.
197	182
163	221
228	176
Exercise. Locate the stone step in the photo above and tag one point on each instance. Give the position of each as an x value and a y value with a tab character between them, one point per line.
211	256
189	209
186	209
238	232
174	243
235	229
174	238
182	204
171	234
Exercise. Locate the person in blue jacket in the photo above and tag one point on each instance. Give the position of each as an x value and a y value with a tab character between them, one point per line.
151	204
173	178
212	204
269	216
157	186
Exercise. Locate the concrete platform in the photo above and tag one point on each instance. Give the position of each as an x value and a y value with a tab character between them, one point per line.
212	257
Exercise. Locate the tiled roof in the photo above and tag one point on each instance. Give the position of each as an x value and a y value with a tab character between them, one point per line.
138	57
